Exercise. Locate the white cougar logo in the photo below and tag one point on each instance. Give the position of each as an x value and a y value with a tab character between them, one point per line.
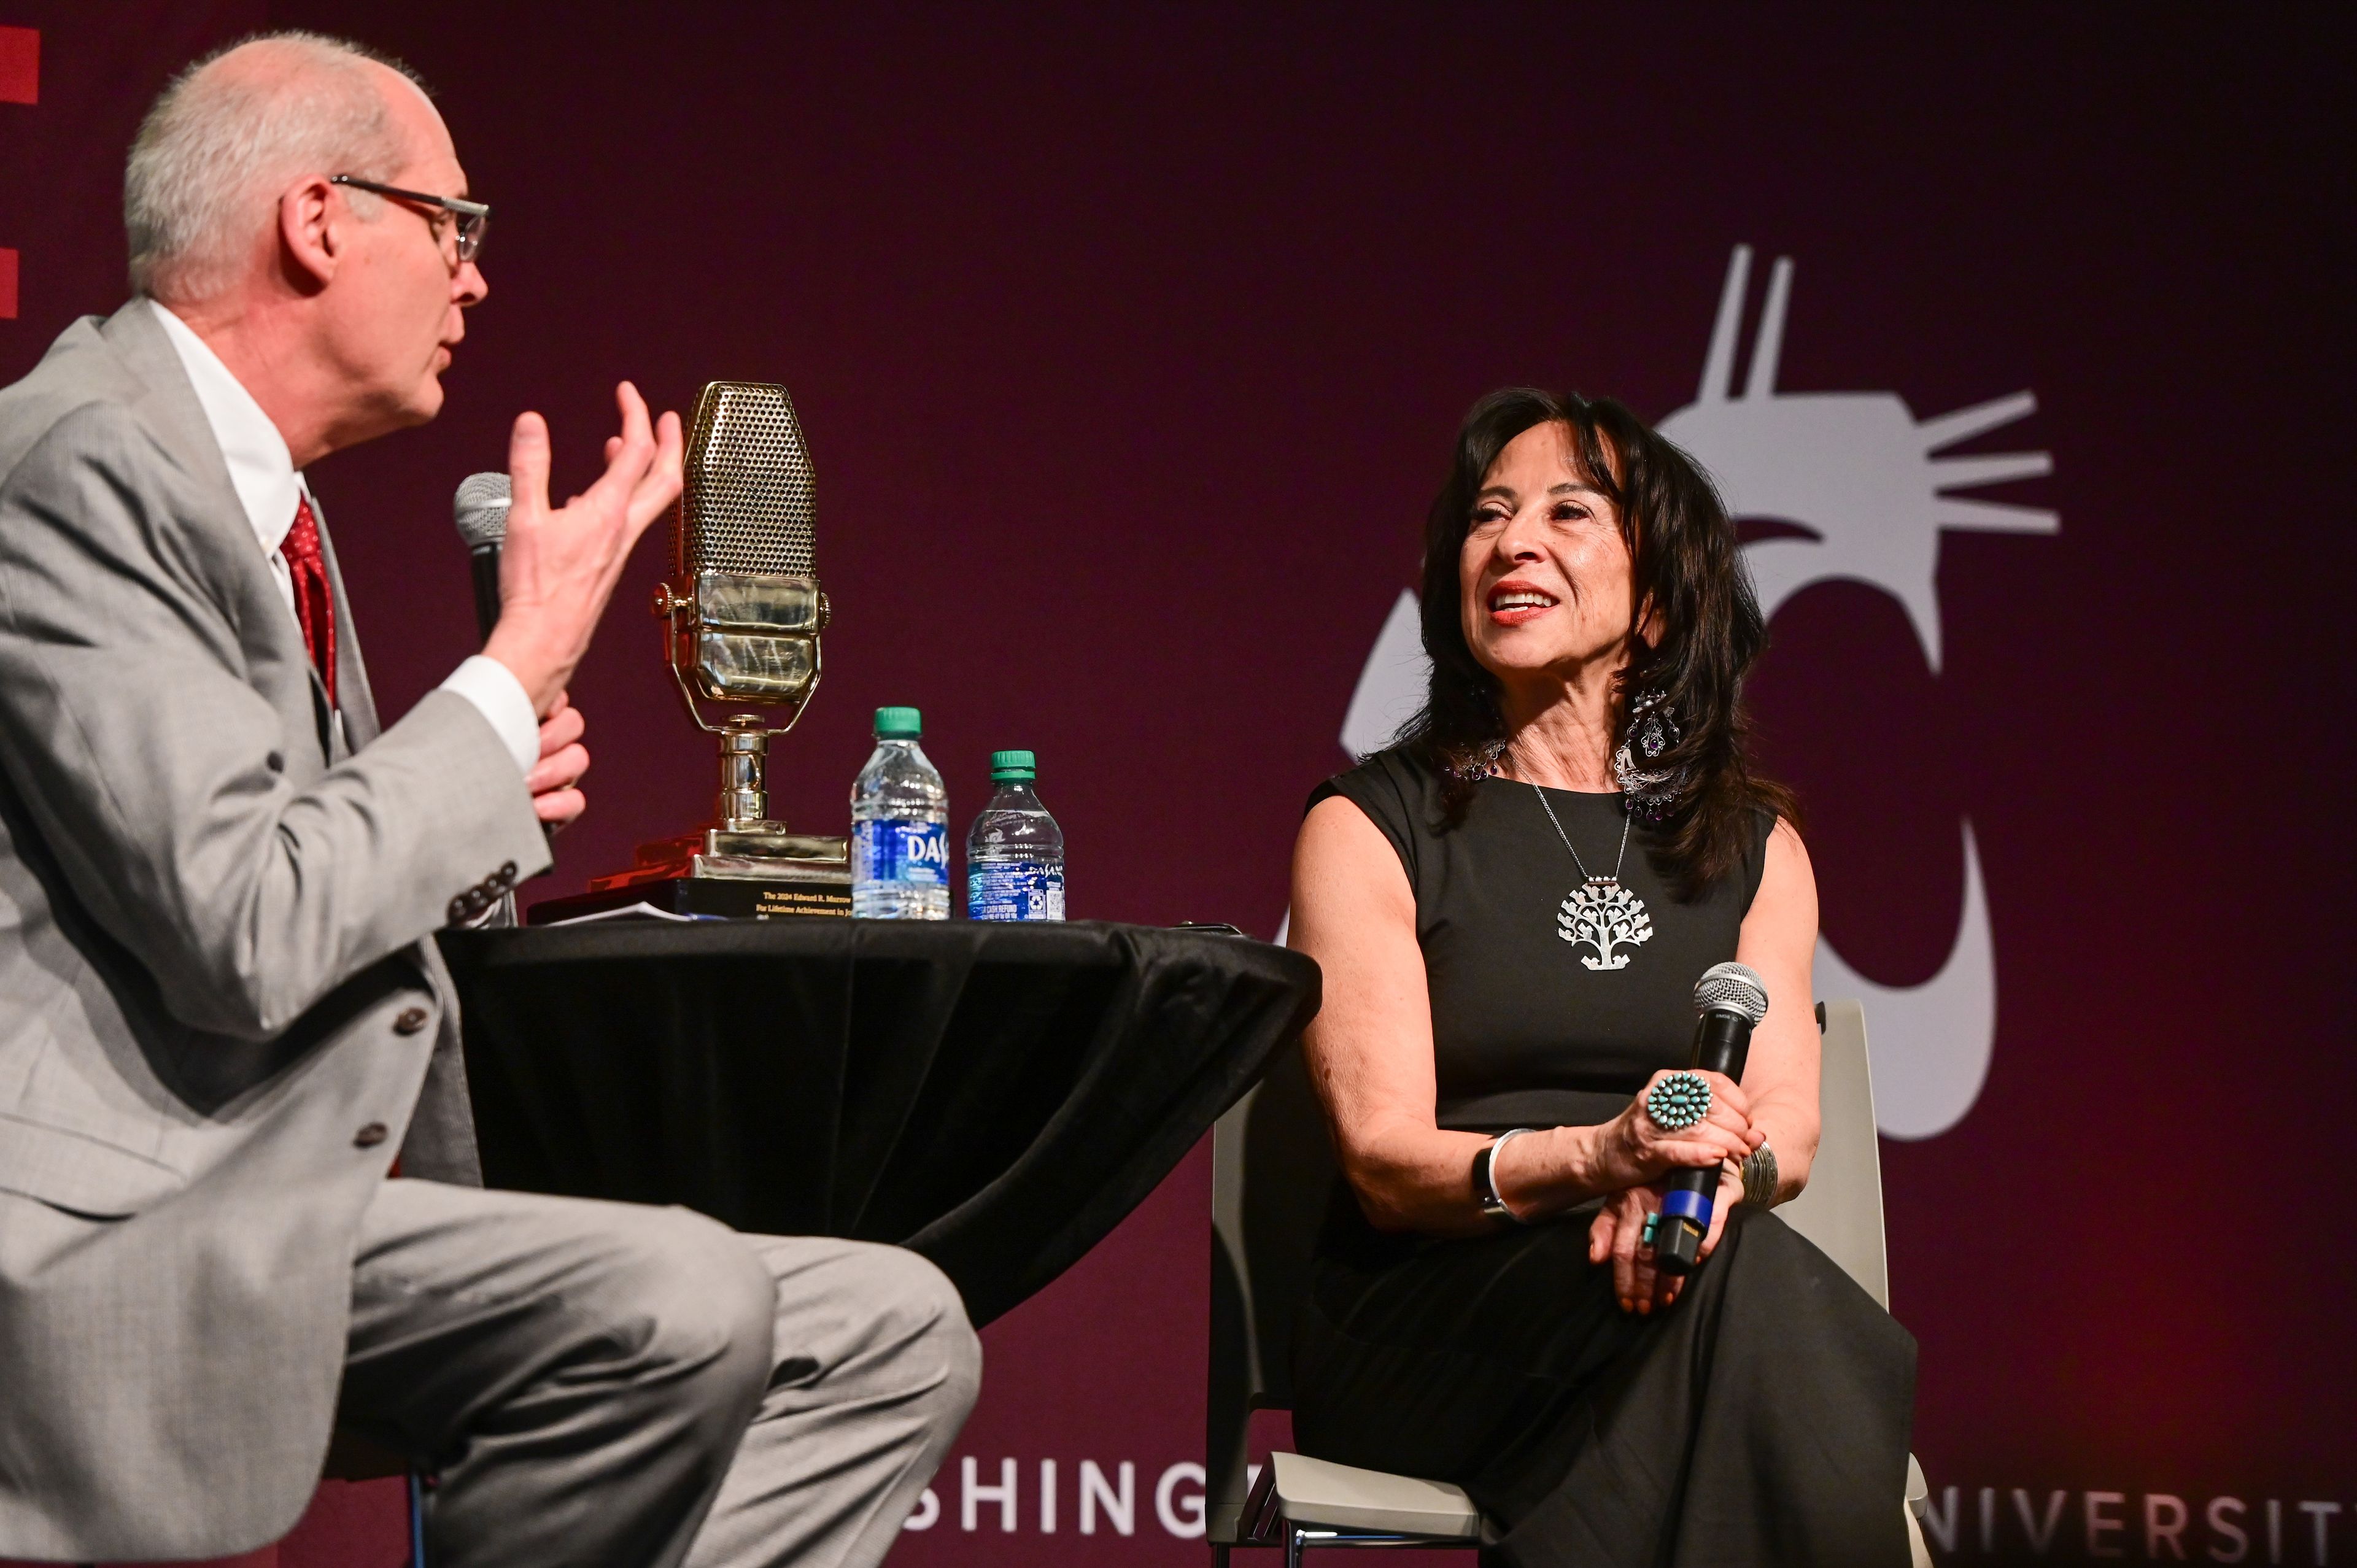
1856	471
1852	468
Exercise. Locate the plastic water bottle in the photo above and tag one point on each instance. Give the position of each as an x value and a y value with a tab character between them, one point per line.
899	827
1015	856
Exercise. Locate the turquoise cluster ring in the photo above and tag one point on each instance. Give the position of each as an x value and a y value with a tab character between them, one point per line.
1678	1101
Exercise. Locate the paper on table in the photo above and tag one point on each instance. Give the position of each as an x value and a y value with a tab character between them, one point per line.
642	910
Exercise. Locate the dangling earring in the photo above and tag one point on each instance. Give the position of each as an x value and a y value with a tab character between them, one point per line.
1481	764
1651	791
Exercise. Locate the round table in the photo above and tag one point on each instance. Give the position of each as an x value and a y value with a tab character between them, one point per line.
997	1096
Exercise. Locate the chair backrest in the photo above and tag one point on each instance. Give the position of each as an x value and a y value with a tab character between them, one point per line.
1273	1174
1841	1209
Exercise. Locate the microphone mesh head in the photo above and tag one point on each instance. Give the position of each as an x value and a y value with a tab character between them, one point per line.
481	508
749	502
1732	988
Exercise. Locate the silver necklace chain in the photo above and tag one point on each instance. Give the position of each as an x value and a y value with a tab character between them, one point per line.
1585	874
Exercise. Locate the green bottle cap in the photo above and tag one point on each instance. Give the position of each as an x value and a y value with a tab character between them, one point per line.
898	723
1012	765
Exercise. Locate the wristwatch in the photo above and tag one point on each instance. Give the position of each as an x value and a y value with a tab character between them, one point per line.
1485	1178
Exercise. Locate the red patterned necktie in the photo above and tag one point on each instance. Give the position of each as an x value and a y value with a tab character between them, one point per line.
315	604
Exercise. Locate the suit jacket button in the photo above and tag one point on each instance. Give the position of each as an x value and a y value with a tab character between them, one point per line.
411	1020
370	1136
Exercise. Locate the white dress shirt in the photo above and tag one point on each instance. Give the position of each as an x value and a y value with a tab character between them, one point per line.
263	472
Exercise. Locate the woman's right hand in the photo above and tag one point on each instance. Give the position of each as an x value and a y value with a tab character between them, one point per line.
1636	1149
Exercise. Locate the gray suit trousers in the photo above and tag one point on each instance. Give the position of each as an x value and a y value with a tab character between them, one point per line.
607	1384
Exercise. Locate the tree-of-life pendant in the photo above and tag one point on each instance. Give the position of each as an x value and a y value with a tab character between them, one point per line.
1601	914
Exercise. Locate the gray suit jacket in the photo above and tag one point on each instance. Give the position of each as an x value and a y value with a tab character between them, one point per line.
221	1012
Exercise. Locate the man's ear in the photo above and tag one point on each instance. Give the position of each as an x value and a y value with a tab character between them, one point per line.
315	220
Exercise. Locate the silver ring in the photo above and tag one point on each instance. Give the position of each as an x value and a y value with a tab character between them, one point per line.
1677	1101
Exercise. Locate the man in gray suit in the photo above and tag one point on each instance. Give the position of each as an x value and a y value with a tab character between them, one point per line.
221	1014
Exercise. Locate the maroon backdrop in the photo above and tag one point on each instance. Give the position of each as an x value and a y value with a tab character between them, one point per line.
1129	348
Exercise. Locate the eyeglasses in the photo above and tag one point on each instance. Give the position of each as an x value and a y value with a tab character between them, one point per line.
473	217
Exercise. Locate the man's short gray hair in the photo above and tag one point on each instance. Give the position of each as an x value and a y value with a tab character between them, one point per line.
222	142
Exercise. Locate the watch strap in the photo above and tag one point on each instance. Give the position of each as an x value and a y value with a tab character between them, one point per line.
1485	1176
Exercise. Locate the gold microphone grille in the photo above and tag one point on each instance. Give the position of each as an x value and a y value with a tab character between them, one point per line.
749	502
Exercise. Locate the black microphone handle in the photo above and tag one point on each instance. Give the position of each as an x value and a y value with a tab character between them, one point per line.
1722	1041
485	561
485	558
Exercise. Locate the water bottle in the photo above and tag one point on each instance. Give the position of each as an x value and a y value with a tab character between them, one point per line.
1015	857
899	827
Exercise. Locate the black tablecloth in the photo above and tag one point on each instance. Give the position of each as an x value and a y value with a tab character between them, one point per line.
997	1096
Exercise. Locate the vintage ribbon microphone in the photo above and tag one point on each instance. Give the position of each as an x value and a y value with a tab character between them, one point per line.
1732	998
743	612
744	606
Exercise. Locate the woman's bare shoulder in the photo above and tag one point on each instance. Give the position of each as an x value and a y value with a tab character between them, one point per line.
1339	842
1787	896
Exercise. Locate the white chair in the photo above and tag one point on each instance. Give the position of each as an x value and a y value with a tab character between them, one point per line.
1272	1169
1841	1209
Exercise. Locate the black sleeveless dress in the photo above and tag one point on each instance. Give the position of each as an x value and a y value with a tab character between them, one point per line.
1762	1419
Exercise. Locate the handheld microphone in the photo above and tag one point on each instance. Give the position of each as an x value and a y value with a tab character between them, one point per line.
480	510
480	507
1732	998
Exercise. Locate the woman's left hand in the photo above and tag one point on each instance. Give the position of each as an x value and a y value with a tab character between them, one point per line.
1616	1232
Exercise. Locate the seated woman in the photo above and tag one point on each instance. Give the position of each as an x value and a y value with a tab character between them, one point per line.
1512	906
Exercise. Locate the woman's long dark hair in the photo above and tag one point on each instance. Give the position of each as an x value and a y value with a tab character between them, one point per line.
1686	572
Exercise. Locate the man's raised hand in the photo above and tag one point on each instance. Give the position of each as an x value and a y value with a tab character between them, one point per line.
558	567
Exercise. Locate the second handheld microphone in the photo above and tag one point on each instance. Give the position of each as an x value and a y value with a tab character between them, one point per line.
1732	998
480	510
480	507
